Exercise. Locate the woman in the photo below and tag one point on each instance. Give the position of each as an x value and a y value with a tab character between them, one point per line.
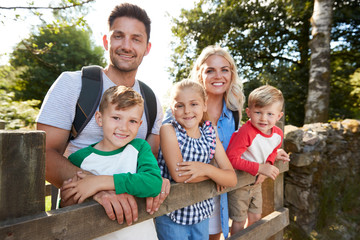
215	69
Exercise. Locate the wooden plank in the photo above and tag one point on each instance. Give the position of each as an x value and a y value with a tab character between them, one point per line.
88	220
273	192
266	227
273	197
268	197
22	173
279	200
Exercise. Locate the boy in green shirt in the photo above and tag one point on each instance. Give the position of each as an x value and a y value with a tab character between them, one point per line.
119	161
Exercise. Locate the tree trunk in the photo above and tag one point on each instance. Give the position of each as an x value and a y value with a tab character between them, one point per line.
317	105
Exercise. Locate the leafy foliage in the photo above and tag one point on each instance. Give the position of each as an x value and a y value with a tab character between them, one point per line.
17	114
46	54
269	41
58	44
67	9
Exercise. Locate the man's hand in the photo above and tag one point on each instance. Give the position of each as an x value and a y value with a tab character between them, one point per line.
153	204
118	205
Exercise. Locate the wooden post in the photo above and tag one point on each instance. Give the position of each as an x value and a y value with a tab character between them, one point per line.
273	191
22	173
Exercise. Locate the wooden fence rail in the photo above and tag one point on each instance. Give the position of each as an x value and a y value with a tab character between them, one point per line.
22	215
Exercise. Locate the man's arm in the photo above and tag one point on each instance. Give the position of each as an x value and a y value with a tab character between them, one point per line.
153	204
154	141
58	168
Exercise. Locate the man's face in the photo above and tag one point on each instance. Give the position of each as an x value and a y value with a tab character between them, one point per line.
127	44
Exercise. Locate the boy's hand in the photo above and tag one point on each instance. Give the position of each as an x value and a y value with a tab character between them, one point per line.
153	204
269	170
260	179
282	156
84	187
66	195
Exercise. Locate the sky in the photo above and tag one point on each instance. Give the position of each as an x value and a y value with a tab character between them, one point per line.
153	69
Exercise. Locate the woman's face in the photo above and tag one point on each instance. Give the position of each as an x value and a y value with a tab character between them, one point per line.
216	75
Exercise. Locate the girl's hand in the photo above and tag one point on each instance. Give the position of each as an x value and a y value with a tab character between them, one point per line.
192	169
220	188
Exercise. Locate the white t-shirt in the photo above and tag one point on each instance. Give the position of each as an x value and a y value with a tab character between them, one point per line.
58	110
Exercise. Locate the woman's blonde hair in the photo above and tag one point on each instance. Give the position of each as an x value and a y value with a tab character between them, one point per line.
234	96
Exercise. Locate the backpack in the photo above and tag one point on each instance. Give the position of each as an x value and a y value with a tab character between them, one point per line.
90	96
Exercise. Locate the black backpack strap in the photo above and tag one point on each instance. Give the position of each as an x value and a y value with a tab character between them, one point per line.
150	105
89	98
236	119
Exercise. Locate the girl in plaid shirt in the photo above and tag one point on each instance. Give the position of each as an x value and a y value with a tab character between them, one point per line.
187	145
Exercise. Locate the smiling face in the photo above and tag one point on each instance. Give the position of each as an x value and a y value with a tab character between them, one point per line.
265	118
216	75
188	108
119	126
127	44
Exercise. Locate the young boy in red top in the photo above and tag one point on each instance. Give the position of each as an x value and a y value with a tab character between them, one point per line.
253	149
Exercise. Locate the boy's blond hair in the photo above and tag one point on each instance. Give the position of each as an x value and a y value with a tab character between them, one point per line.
121	96
264	96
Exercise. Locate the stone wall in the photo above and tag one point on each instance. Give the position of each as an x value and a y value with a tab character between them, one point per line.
325	163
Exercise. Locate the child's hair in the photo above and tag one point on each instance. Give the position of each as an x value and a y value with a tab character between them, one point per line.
187	83
121	96
265	95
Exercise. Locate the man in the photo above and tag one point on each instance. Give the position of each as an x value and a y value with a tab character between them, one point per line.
127	43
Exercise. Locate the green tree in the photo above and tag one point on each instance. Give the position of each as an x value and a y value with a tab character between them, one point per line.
269	41
48	53
73	9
